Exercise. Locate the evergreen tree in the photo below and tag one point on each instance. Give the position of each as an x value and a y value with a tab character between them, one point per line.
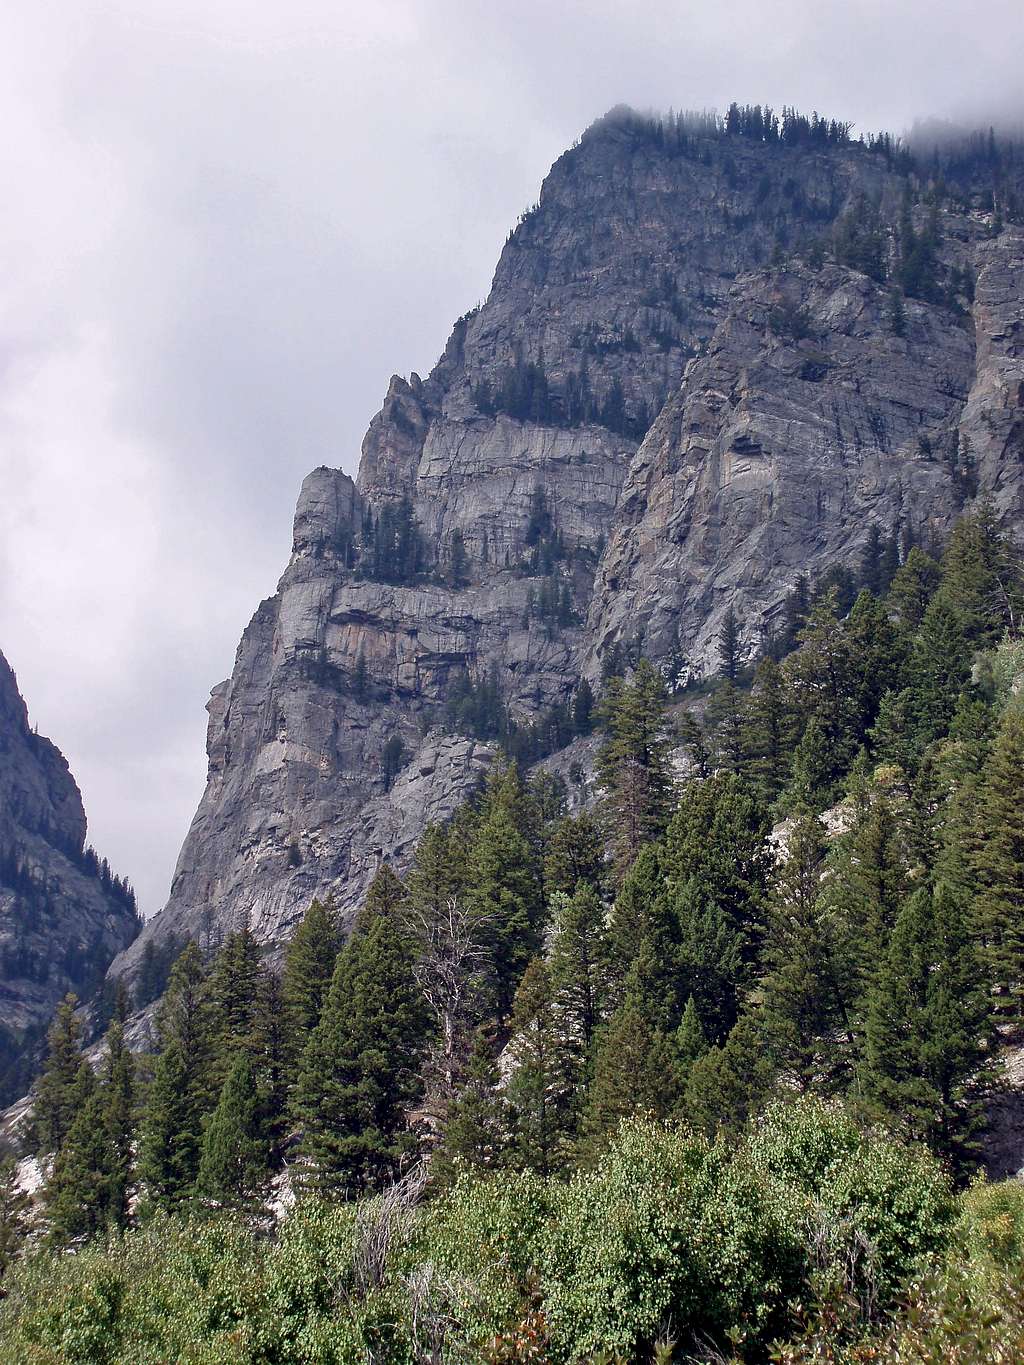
770	729
458	560
633	764
633	1074
540	1089
939	668
308	968
926	1028
913	587
638	915
999	861
690	1041
583	708
235	990
578	965
504	891
58	1091
475	1129
727	720
77	1193
575	854
981	578
871	561
117	1093
718	860
234	1162
360	1068
801	1015
179	1094
729	646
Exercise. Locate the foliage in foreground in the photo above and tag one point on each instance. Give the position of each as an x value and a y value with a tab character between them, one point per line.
811	1230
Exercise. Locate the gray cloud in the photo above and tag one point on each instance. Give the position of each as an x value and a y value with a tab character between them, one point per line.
226	225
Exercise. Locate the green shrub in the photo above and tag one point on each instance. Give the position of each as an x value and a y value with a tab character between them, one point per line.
623	1251
482	1240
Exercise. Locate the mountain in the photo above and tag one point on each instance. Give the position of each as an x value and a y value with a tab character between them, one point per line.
717	358
63	914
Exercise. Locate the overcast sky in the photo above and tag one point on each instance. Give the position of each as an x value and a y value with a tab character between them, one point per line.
227	222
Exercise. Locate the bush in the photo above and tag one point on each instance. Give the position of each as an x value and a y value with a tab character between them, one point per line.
482	1241
623	1250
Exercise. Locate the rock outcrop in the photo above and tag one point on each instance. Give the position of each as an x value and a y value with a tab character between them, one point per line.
679	397
63	915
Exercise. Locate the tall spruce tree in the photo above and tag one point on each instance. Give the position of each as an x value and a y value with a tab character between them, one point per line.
77	1194
927	1027
234	1163
998	862
801	1013
179	1094
579	965
58	1092
117	1093
308	968
729	646
633	765
360	1069
504	887
541	1088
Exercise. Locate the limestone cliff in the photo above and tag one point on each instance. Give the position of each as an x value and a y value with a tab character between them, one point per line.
689	385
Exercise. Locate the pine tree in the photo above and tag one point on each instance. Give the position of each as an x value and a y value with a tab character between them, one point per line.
939	669
583	708
633	1074
729	646
717	855
801	1011
475	1132
579	965
117	1092
770	728
540	1090
57	1093
633	764
360	1068
913	587
639	914
504	892
981	578
871	561
927	1026
77	1193
308	968
999	861
234	1163
575	854
726	718
179	1094
690	1041
235	989
458	560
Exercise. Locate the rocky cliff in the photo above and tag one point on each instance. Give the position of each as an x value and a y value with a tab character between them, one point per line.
693	381
63	915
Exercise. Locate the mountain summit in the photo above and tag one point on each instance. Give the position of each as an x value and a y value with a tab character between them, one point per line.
718	357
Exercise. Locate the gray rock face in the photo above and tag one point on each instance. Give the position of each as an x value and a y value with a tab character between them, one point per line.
62	919
783	417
